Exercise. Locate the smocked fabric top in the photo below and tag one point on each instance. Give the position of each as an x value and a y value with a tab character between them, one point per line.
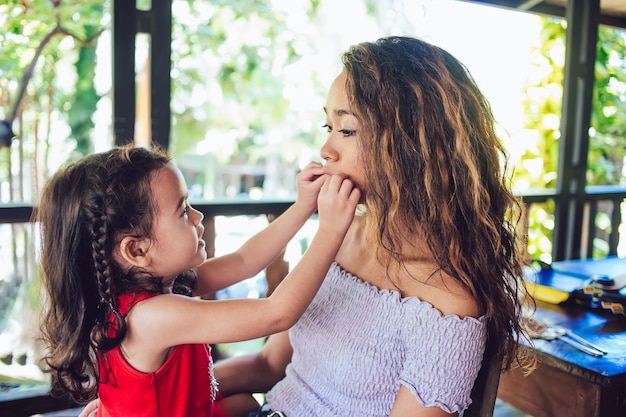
355	345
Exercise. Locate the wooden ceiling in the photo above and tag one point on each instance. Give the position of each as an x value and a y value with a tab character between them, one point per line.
616	8
612	12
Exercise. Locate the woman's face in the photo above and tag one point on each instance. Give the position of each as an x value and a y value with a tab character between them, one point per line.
341	151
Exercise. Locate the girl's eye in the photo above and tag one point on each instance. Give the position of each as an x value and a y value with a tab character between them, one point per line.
185	212
328	128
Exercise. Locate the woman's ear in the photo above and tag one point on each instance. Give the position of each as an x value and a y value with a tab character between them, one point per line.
134	251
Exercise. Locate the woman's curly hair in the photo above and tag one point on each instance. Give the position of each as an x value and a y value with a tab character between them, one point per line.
436	172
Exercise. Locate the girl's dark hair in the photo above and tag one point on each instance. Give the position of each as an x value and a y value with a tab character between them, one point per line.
84	211
437	172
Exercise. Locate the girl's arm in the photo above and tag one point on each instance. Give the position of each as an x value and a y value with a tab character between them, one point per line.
260	250
91	409
168	320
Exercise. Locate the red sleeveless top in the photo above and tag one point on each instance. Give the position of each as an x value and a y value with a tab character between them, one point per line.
183	386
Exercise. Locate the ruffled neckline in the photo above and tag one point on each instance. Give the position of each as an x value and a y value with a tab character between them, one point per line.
395	296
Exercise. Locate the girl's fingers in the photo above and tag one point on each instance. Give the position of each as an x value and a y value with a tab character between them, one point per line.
350	191
341	189
315	167
338	184
332	182
311	173
355	195
321	179
346	187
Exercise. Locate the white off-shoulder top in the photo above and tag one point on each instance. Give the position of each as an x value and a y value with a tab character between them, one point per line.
355	345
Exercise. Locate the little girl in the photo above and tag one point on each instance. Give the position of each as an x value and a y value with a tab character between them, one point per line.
119	242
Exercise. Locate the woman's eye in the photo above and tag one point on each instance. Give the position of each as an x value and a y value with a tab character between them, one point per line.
185	211
345	132
348	132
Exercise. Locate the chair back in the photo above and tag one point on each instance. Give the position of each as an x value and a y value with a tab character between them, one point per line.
485	388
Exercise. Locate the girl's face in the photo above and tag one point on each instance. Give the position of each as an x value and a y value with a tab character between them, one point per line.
341	151
177	245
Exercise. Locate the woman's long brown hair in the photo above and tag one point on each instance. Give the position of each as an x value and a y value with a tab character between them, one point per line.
436	169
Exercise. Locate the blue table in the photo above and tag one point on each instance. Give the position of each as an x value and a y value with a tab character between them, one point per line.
568	382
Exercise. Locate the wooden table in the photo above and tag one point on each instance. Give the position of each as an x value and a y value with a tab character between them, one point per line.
568	382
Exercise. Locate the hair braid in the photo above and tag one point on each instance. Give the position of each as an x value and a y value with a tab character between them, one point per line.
98	228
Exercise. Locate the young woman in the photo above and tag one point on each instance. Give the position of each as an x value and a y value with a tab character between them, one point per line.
427	271
118	237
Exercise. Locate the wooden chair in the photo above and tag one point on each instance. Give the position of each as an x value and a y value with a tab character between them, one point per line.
485	388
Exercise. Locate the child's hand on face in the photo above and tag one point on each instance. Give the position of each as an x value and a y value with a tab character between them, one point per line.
337	203
308	183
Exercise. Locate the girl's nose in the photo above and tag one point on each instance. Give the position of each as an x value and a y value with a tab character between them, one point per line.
197	215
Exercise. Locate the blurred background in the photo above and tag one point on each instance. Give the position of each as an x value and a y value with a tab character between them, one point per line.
248	83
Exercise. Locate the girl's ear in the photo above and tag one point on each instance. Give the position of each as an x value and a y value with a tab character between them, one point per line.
134	251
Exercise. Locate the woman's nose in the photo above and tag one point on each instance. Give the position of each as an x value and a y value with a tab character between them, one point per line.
327	151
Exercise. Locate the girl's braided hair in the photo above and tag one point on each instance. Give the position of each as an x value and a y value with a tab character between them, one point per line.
84	211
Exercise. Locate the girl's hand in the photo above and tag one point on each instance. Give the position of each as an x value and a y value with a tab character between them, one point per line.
308	183
337	203
91	409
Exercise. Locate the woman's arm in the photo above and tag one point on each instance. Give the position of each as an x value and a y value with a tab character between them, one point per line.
407	405
260	250
240	377
257	372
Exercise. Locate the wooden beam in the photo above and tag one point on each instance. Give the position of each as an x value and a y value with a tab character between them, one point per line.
160	69
124	29
580	57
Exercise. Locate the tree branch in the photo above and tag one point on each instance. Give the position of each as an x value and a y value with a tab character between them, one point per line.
30	69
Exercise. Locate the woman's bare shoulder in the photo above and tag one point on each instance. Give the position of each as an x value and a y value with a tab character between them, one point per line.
444	293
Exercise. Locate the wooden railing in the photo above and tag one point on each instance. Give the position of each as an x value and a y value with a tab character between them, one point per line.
596	200
26	402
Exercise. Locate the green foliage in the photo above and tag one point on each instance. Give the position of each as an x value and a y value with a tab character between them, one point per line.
239	50
85	97
229	65
540	227
542	101
47	78
607	136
